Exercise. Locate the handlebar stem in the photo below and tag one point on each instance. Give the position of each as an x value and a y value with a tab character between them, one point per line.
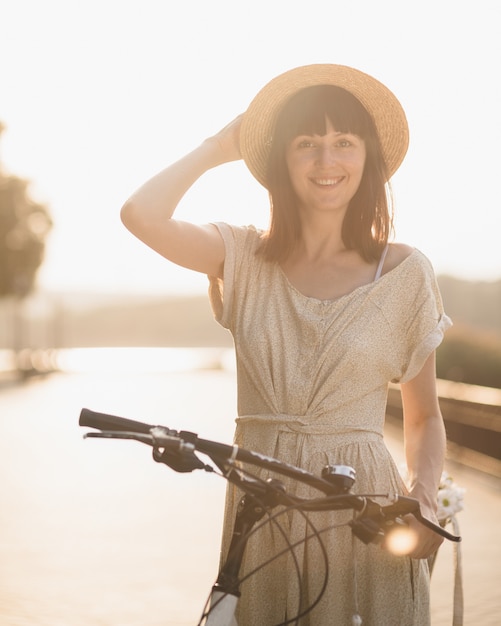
251	508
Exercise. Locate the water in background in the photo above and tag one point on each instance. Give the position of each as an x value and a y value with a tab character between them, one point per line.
94	532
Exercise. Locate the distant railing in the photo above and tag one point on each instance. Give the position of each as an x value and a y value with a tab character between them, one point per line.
472	417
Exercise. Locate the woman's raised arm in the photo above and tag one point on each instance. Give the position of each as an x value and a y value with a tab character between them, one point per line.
149	210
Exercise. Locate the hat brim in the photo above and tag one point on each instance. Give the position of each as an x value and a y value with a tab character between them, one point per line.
259	120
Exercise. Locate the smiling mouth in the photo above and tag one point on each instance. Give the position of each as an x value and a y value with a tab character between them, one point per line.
328	182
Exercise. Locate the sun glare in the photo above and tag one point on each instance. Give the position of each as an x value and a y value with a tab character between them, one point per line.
401	540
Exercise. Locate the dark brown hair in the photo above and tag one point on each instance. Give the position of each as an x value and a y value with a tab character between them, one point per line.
368	222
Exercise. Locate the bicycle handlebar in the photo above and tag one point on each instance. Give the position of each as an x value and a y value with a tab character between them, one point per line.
162	436
183	444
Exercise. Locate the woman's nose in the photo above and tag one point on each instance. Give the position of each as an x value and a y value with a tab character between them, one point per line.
326	155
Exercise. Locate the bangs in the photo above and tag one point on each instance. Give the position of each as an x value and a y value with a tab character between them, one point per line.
307	111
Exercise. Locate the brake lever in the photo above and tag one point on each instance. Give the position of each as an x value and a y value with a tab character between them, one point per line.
159	437
411	505
116	434
435	527
168	449
368	526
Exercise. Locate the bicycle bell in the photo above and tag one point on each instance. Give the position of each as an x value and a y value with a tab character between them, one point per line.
341	477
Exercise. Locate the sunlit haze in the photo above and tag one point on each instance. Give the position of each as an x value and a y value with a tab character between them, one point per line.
97	96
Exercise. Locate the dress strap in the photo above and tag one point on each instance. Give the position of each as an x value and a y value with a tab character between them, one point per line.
381	262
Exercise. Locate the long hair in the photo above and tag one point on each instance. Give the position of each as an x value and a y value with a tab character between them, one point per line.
368	222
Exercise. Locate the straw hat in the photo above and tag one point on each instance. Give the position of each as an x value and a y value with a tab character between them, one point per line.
259	120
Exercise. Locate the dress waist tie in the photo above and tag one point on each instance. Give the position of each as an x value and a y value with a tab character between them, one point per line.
260	432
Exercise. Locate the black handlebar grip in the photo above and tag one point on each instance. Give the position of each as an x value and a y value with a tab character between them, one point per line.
103	421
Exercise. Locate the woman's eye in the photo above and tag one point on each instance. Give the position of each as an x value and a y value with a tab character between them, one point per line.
344	143
305	143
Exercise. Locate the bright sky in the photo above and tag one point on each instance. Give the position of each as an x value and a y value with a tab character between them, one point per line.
99	95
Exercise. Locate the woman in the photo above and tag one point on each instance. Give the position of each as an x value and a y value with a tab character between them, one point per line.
324	313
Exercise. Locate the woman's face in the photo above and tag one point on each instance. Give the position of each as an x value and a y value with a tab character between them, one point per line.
325	171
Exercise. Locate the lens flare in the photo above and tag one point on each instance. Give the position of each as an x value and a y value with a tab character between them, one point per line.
401	540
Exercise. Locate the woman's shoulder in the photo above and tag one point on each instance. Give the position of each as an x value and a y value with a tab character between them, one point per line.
402	254
409	278
403	260
397	254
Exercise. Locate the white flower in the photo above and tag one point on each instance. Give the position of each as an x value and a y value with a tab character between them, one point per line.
449	499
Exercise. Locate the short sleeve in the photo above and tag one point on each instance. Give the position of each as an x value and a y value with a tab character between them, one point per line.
427	322
240	244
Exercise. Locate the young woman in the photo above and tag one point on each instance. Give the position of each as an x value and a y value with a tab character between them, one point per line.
324	313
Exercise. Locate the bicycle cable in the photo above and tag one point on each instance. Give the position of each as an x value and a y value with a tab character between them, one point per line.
290	548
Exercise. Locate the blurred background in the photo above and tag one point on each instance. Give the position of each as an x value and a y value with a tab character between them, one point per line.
95	98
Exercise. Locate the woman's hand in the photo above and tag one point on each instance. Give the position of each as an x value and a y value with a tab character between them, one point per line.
227	141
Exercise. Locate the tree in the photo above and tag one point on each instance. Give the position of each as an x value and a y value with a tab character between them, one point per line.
24	225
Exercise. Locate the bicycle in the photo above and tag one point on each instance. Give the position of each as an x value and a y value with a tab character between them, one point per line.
180	451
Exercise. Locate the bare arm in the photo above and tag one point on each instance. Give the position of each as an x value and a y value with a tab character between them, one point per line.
148	212
424	437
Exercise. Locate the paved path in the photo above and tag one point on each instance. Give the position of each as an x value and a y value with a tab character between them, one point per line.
84	543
